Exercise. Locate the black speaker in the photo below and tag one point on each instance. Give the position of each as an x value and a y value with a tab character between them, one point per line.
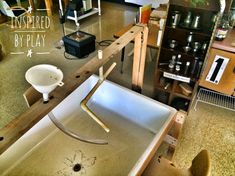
79	43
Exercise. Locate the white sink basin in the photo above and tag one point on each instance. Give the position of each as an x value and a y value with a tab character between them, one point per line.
135	121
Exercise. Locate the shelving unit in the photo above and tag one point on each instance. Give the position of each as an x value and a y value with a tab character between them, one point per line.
165	74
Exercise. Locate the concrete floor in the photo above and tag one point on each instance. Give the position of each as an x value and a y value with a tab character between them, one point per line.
208	128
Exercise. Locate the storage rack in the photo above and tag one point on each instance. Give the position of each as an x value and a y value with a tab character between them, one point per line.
216	99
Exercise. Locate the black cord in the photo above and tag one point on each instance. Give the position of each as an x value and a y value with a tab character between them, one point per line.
74	58
105	42
101	43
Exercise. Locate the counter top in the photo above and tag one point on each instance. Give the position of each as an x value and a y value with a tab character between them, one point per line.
228	44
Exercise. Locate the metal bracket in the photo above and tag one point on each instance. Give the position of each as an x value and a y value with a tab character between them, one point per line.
180	118
171	140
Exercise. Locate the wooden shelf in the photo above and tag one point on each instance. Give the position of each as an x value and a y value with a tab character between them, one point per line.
186	30
180	34
180	51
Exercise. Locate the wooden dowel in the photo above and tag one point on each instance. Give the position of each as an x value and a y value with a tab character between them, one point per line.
89	95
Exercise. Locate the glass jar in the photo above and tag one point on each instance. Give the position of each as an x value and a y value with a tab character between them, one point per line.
223	28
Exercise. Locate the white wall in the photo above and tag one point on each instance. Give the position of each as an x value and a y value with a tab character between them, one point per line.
155	3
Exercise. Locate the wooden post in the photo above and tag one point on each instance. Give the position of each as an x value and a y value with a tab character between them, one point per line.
140	48
48	4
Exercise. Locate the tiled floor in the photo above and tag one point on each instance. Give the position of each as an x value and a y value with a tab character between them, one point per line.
208	128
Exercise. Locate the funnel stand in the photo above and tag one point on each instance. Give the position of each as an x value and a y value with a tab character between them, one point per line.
45	97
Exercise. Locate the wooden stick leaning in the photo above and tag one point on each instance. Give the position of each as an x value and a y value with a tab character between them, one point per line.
89	95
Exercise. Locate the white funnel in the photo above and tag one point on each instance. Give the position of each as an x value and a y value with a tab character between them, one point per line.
44	78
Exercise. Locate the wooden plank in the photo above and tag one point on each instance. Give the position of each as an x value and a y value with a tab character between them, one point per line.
122	31
142	59
136	64
48	5
22	123
152	35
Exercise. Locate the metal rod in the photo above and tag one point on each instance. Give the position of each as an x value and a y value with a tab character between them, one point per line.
75	135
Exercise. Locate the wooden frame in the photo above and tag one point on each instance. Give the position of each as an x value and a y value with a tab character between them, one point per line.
22	123
145	159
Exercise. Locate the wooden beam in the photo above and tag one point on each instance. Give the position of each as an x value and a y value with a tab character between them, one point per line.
140	47
22	123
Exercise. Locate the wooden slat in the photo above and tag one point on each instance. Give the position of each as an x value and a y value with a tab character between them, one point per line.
142	59
137	55
22	123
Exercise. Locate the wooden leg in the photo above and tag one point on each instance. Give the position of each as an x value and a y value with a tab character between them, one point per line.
48	7
143	58
31	3
66	3
51	4
136	62
139	60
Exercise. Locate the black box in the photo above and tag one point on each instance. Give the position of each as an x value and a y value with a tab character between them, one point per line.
79	43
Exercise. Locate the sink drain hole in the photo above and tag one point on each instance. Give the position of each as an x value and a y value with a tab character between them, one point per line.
77	167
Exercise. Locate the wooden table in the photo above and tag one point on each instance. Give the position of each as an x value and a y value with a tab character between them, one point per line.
151	42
